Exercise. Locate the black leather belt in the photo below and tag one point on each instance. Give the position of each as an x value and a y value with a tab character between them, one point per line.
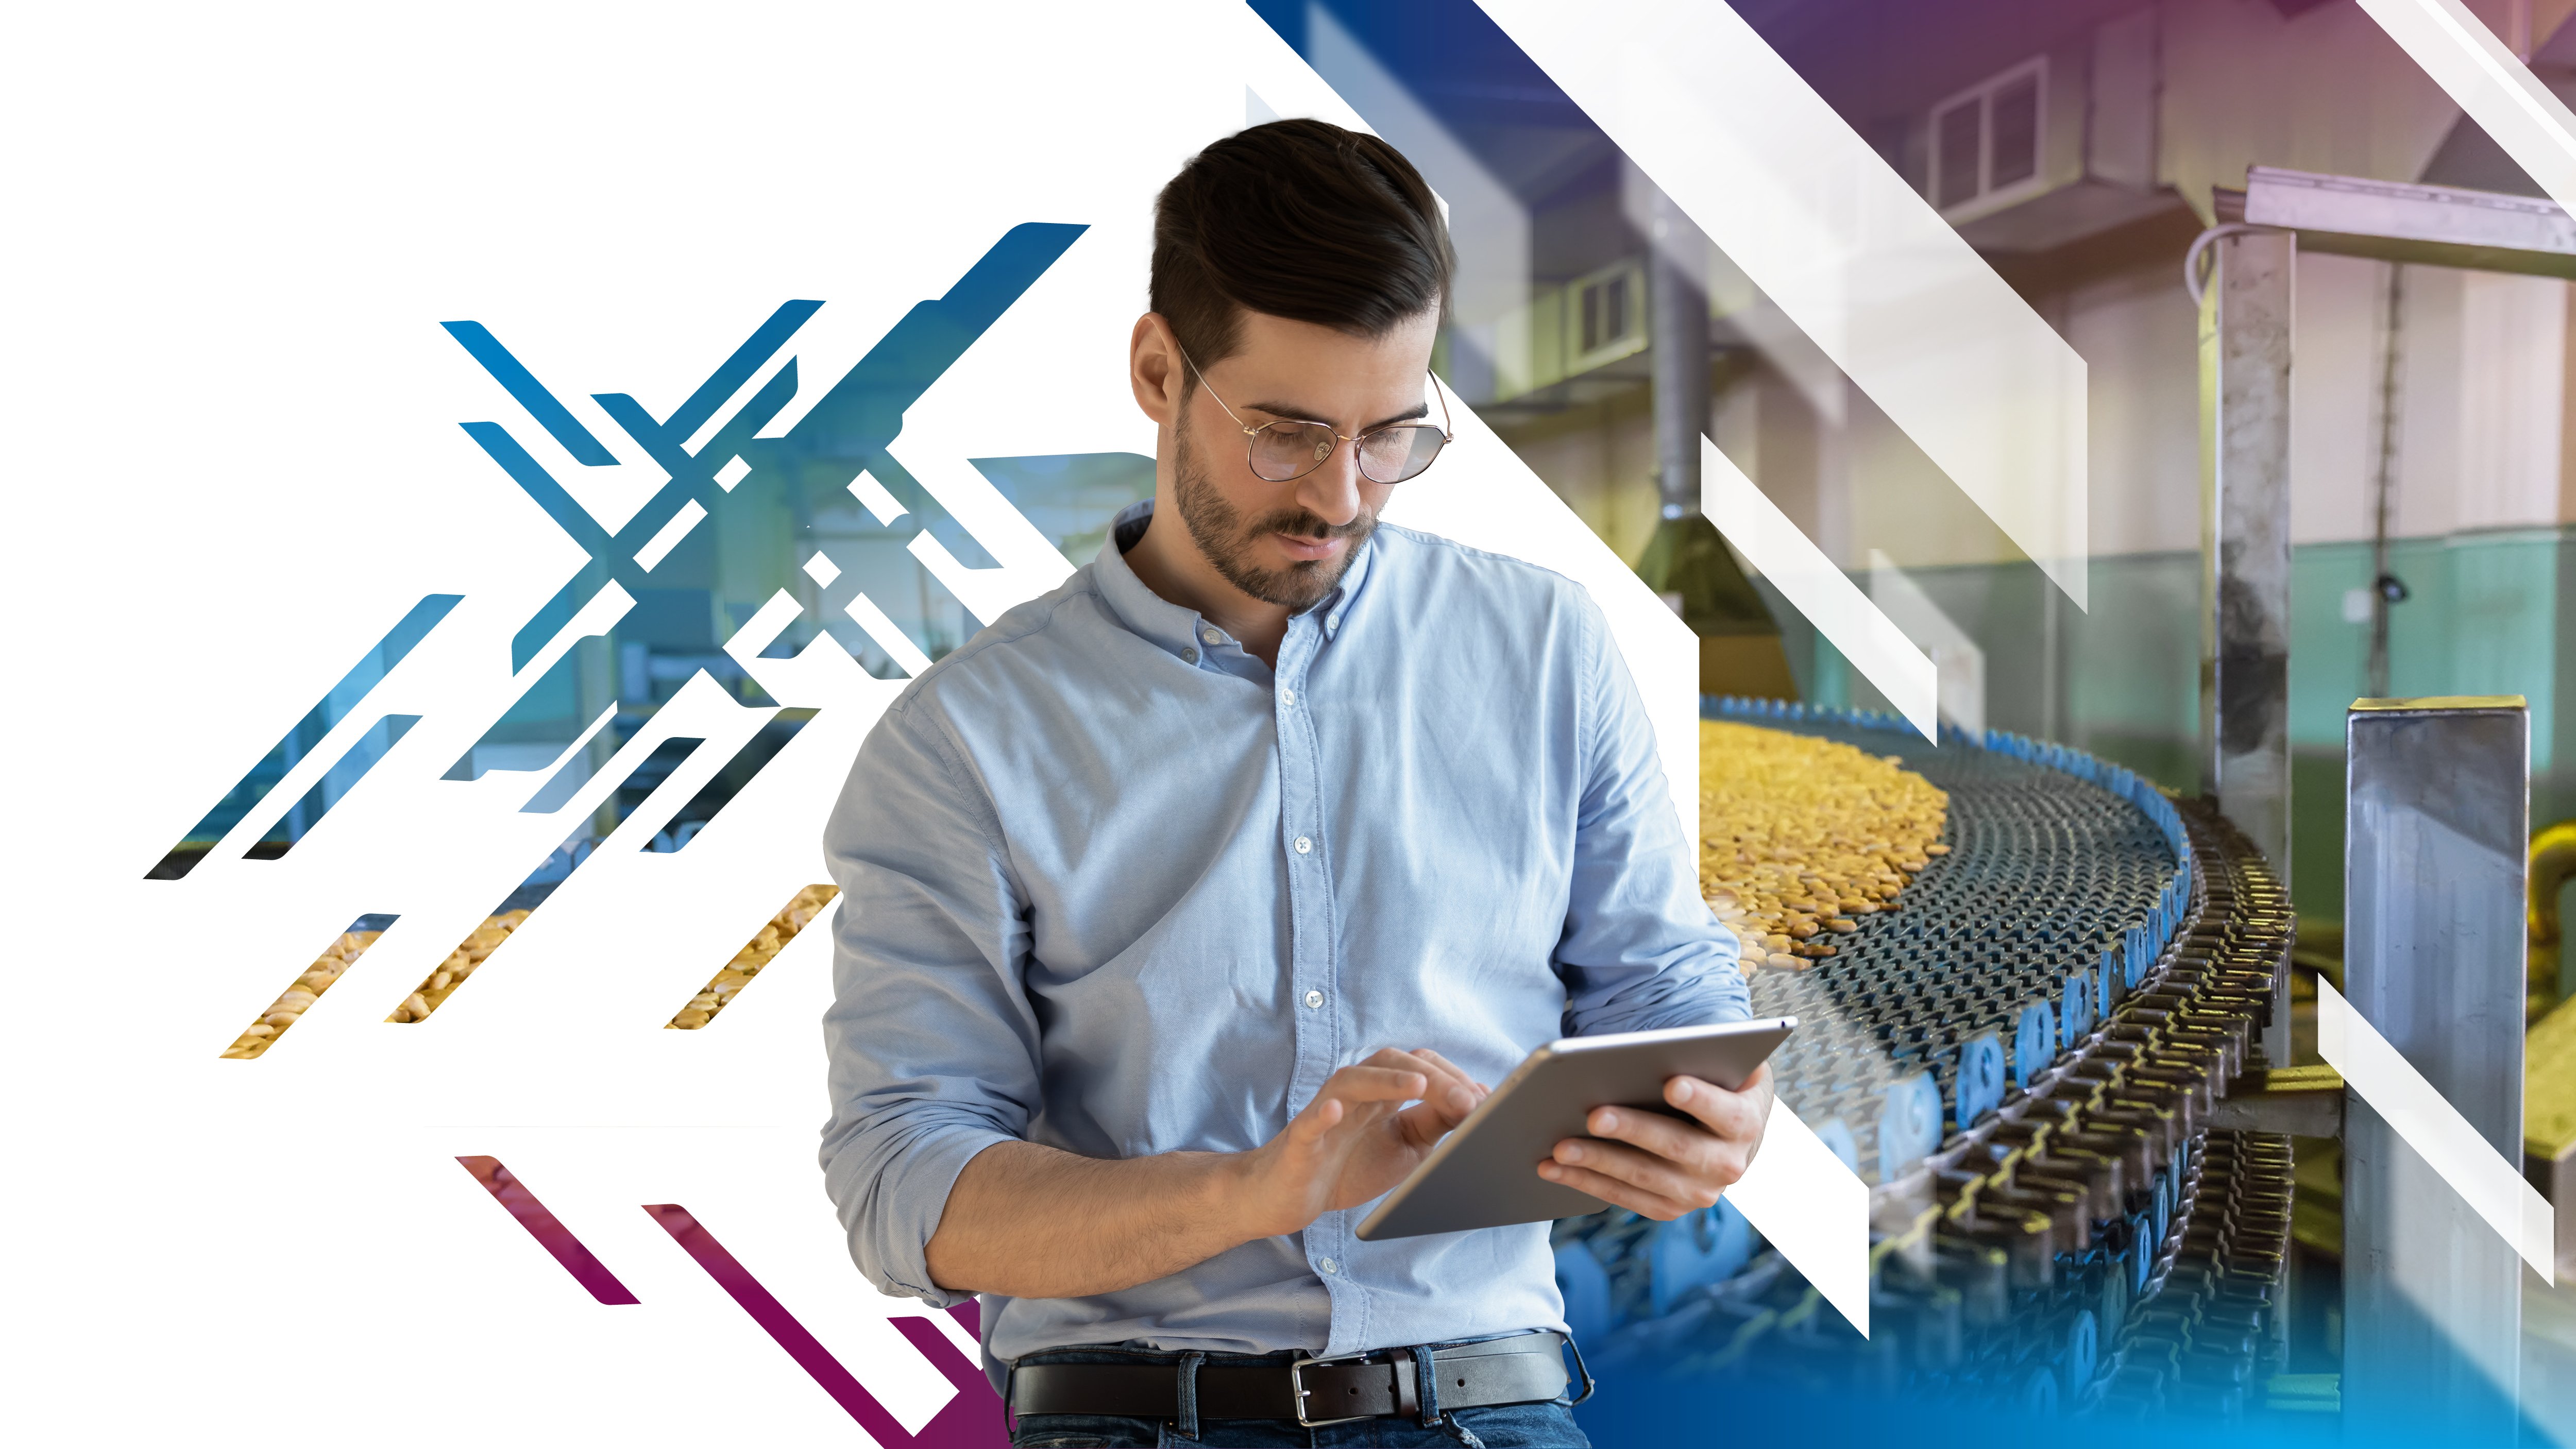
1525	1368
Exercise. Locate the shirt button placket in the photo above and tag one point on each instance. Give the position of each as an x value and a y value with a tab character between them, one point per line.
1311	965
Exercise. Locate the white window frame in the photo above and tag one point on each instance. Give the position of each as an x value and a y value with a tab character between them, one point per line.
1626	344
1985	198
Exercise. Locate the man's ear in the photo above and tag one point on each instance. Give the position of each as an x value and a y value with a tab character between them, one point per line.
1154	368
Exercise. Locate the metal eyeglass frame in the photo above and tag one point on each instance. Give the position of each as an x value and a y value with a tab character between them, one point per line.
1253	434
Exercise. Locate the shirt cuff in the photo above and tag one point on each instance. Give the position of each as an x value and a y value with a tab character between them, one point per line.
890	1239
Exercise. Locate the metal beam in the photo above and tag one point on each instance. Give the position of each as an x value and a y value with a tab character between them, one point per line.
2302	1101
2245	314
2436	812
2398	221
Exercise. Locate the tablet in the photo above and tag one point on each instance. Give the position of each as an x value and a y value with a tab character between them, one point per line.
1484	1174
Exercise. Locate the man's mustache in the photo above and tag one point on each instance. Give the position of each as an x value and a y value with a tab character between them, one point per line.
1307	525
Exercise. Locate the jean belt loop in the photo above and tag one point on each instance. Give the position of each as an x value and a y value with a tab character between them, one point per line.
1427	1376
1188	1425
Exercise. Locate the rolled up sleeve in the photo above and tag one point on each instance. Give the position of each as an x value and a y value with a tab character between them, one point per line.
933	1047
1641	949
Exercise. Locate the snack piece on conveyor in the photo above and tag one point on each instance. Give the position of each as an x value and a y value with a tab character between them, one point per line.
2063	994
1802	839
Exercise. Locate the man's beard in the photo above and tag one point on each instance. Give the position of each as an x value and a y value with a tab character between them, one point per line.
1222	535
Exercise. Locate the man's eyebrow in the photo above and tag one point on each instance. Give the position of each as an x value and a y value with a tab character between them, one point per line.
1307	415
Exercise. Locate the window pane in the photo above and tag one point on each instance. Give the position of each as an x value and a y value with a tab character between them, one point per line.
2016	133
1956	134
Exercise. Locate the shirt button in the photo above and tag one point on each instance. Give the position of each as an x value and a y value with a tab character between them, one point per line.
1304	845
1287	696
1189	656
1314	1000
1210	636
1329	1266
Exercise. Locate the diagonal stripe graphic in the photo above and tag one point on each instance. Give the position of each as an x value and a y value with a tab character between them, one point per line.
1812	1208
970	1420
523	386
343	776
306	989
2382	1077
632	794
731	779
548	1230
2498	91
1960	664
801	908
340	701
725	381
1832	234
1821	592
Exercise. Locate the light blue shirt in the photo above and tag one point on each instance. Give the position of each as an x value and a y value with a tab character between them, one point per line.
1113	885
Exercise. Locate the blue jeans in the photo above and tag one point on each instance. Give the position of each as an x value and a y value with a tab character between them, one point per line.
1548	1425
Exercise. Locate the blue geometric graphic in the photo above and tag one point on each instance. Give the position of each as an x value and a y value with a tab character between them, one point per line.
738	520
770	505
343	776
336	704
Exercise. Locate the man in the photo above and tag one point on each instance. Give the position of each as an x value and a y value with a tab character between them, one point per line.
1188	906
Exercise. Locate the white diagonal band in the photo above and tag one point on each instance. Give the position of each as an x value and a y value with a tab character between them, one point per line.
1813	1209
2426	1121
1850	253
2498	91
1820	592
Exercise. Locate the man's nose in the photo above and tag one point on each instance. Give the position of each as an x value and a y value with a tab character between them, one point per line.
1332	492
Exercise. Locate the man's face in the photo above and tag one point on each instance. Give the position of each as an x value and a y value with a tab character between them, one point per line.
1289	543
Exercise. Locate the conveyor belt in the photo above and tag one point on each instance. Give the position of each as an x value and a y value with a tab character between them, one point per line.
2080	1243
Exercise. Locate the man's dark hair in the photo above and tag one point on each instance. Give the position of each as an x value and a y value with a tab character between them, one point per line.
1298	219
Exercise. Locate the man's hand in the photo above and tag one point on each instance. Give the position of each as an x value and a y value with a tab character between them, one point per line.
1662	1168
1355	1141
1026	1221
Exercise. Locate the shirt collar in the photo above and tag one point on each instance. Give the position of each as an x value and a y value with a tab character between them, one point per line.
1173	628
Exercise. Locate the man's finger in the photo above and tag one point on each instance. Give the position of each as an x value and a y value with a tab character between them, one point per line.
1376	1084
1615	1192
1309	1126
1440	1110
1450	1069
1693	1185
1736	1116
1684	1141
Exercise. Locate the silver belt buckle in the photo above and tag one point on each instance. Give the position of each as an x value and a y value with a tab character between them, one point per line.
1297	1386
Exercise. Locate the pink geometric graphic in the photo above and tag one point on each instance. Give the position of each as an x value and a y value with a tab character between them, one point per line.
548	1230
971	1420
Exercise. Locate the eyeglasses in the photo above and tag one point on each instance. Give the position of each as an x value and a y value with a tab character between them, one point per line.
1284	451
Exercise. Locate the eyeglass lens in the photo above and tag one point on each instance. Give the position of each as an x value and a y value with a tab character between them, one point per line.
1285	451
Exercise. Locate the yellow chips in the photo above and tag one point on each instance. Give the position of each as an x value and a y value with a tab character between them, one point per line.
1801	837
284	1012
801	908
460	963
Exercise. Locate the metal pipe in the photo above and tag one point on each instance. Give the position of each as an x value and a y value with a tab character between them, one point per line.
1677	330
2245	313
2385	590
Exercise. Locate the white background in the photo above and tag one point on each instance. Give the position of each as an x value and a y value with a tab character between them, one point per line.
233	237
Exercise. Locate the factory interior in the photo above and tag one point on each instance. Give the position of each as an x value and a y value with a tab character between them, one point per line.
2266	769
2328	460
